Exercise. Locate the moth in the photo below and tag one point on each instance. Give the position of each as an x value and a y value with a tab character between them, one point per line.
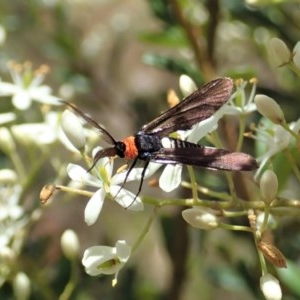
152	142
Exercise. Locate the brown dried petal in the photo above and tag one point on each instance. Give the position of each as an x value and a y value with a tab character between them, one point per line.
46	192
272	254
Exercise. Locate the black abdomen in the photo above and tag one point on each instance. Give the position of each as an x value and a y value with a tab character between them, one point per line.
147	144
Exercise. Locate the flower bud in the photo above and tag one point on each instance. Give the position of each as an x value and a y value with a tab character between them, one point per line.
279	52
268	186
269	108
7	255
8	176
187	85
270	287
202	218
70	244
2	35
172	98
21	285
73	130
296	55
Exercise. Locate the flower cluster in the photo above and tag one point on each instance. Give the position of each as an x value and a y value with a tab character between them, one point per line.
15	182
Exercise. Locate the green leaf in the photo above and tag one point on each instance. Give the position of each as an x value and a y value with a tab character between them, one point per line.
290	276
171	37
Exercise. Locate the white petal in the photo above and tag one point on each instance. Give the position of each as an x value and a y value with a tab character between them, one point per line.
170	178
281	138
7	117
21	100
7	89
94	253
295	126
41	94
206	126
94	256
94	206
135	174
126	198
123	250
78	173
152	168
38	133
106	260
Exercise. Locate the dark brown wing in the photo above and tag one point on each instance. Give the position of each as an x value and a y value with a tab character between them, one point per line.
107	136
207	157
196	107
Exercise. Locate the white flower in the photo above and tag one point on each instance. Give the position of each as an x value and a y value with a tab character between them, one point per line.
108	184
27	86
275	139
38	133
106	260
239	103
12	215
270	287
44	133
9	205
